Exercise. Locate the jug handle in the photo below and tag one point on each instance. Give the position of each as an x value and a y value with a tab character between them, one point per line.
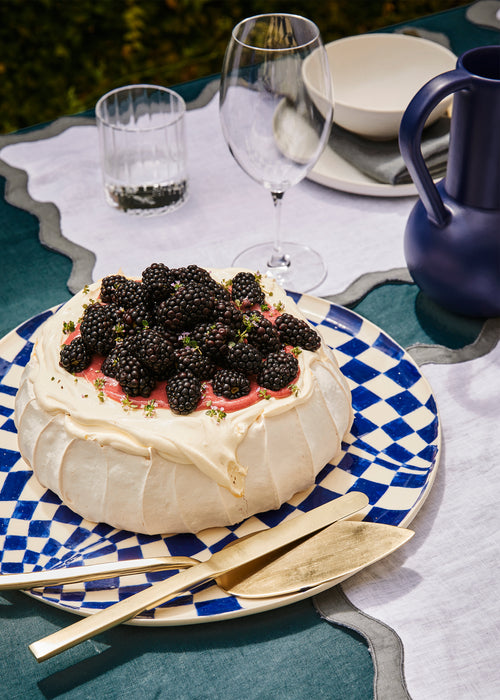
410	138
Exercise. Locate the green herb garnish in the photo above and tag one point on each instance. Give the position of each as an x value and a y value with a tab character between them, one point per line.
99	384
150	409
263	394
217	413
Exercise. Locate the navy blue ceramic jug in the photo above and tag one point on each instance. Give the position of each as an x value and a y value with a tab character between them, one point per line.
452	237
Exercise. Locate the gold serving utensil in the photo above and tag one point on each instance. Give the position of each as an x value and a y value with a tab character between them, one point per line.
242	552
330	555
92	572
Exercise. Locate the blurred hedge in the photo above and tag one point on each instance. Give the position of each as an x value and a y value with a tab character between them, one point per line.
58	56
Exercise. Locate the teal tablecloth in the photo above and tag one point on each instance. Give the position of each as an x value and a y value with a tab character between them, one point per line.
287	653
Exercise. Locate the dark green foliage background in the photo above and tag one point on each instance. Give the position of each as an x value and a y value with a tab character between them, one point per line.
59	56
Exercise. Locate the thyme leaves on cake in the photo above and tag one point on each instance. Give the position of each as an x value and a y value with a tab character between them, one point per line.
215	412
150	409
99	384
181	327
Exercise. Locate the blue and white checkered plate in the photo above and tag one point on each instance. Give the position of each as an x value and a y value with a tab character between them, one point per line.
391	455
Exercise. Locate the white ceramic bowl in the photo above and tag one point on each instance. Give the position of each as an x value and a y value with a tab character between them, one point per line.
374	78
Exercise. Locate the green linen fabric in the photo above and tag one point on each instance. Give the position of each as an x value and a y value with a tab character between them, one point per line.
288	653
410	317
32	278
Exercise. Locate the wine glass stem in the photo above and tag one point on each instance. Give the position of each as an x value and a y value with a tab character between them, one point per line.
278	257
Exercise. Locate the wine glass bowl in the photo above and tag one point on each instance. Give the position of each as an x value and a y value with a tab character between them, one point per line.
274	129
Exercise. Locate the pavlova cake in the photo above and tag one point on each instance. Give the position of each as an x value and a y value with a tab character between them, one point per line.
185	400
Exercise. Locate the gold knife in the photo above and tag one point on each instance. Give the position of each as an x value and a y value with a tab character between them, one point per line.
91	572
244	551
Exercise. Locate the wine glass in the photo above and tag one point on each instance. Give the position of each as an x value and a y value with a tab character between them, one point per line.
274	128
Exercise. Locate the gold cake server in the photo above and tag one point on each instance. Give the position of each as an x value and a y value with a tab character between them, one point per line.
329	556
242	552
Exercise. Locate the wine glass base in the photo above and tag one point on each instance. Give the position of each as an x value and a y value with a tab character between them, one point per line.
302	270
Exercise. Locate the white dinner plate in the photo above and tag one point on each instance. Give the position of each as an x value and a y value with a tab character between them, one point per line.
391	454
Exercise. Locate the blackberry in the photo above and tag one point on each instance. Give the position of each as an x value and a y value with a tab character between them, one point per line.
244	358
278	370
185	307
110	363
172	337
133	377
261	333
197	333
136	318
193	273
246	290
98	328
189	359
130	294
179	277
155	352
222	293
183	392
294	331
75	357
215	341
230	384
226	312
109	286
157	281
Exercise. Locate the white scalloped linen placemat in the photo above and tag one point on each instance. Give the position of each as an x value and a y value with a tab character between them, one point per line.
226	211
